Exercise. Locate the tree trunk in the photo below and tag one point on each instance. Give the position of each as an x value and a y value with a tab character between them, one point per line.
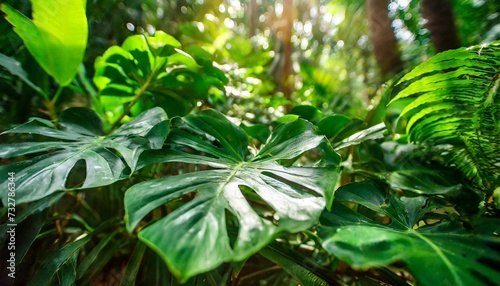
440	23
286	39
253	10
385	46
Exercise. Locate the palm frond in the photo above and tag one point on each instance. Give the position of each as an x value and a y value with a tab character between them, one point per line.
456	106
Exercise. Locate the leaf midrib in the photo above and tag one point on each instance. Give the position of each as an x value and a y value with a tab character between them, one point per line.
231	176
436	248
441	255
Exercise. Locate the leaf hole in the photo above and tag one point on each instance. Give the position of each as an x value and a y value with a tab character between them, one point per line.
233	228
489	262
77	174
261	207
485	279
495	246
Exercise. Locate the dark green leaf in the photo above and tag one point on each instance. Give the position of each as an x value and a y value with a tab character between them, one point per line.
67	274
307	112
95	254
332	125
130	274
43	175
422	181
372	133
193	239
25	233
455	255
56	260
15	68
302	268
258	131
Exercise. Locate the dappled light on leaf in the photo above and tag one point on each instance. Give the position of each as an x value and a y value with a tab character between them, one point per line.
107	158
295	195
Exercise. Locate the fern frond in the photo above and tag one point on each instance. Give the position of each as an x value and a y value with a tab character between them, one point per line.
456	103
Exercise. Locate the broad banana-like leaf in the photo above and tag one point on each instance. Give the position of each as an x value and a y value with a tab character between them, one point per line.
254	194
56	37
108	158
441	254
454	104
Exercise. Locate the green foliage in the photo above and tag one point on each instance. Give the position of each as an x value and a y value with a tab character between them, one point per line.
80	138
58	46
341	130
152	71
452	103
264	196
457	256
15	68
111	191
302	268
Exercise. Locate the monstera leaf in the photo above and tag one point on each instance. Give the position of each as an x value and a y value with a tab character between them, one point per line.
56	37
151	71
341	130
453	104
439	254
108	158
252	197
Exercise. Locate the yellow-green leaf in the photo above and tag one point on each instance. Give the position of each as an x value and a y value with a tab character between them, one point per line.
56	37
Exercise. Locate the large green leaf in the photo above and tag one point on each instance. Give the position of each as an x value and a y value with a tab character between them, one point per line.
108	158
56	37
60	264
57	262
441	254
423	181
452	101
256	194
15	68
152	71
341	130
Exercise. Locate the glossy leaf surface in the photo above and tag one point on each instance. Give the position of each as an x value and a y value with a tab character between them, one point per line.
80	138
456	256
254	193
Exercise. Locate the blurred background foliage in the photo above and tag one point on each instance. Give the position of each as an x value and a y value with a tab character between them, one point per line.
278	54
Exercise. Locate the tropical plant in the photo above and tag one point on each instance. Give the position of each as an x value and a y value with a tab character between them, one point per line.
148	71
456	255
452	104
106	158
144	184
262	196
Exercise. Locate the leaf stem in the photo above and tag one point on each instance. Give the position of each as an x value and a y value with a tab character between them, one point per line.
50	104
56	96
133	102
